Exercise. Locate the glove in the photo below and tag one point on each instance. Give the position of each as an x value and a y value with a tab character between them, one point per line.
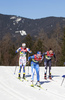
16	51
27	62
30	51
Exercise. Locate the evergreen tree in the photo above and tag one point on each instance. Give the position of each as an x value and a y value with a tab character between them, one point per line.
2	58
12	54
38	46
62	60
28	41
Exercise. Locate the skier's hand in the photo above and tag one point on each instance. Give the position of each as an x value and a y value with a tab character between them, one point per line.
55	60
30	51
16	51
52	60
27	62
40	61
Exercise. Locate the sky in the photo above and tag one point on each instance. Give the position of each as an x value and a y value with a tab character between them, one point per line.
33	9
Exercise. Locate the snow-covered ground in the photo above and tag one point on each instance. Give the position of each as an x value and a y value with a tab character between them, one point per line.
13	89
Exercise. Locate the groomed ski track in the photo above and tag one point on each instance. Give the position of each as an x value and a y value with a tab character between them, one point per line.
13	89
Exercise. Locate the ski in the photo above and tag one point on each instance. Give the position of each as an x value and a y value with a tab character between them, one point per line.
48	79
24	79
32	86
52	80
36	86
21	79
40	87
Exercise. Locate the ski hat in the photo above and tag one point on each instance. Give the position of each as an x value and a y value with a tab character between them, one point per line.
38	52
23	45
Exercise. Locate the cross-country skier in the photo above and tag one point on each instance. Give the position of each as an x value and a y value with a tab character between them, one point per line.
22	59
47	61
36	58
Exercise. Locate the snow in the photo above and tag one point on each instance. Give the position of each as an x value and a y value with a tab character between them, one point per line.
63	19
13	89
18	19
13	17
14	23
22	32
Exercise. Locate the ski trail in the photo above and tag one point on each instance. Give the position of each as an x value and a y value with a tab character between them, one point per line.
14	89
12	92
49	91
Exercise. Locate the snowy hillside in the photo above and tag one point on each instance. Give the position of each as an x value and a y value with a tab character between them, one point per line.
13	89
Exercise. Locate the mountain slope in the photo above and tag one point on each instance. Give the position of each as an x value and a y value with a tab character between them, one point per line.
11	24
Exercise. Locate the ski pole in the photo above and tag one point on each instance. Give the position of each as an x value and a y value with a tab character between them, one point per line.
15	69
28	64
62	81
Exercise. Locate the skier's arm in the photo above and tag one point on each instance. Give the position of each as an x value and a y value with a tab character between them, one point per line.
54	56
44	54
18	49
31	57
29	50
42	58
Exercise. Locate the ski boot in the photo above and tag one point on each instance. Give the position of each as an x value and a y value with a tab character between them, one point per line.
38	83
50	76
45	76
32	85
19	77
23	76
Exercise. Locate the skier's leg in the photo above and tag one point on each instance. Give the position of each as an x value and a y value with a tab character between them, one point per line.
45	73
24	64
20	66
24	71
19	74
50	69
32	72
37	72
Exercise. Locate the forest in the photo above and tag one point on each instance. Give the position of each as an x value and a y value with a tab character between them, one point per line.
8	57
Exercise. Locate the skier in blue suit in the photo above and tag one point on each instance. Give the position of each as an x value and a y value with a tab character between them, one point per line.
36	58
